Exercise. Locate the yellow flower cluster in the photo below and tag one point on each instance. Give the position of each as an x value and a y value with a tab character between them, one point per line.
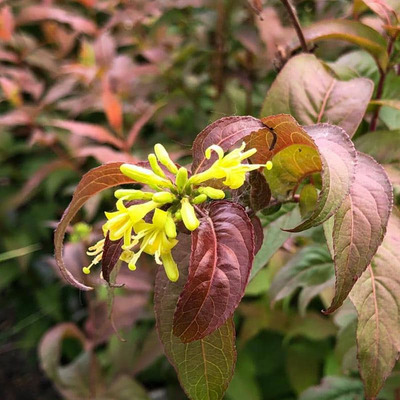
172	200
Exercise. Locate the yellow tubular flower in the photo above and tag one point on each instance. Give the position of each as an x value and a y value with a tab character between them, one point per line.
164	158
95	251
154	241
121	222
201	198
154	165
143	175
133	194
189	215
227	166
163	197
212	193
181	178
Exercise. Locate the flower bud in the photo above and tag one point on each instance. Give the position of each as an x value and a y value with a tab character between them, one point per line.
181	178
163	197
178	215
164	158
189	215
170	267
170	227
155	166
132	194
144	175
201	198
212	193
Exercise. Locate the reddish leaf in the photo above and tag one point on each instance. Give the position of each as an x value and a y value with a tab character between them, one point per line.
111	253
92	131
339	159
260	193
104	49
105	154
360	225
258	233
34	181
42	12
206	363
95	181
221	259
376	298
225	133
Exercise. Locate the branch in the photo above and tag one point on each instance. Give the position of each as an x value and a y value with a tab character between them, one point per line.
296	23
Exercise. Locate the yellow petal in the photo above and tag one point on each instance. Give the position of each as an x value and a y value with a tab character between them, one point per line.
170	267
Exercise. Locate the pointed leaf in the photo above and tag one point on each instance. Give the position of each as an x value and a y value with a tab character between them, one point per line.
305	89
382	145
360	225
334	388
350	31
92	131
220	263
111	253
204	367
312	267
224	132
95	181
375	297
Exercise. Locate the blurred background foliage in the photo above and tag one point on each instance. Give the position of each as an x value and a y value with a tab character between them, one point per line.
92	81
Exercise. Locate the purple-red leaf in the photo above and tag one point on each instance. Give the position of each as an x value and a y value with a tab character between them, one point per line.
95	181
204	367
260	193
111	253
220	263
360	225
224	132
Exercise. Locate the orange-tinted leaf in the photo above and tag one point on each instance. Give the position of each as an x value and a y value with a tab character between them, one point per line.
6	23
112	107
95	181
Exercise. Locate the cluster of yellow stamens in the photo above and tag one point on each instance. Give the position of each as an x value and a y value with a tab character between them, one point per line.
171	200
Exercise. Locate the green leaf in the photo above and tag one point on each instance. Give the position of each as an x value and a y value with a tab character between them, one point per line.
204	367
305	89
311	270
350	31
391	115
335	388
274	238
308	200
93	182
382	145
376	298
339	161
355	64
360	225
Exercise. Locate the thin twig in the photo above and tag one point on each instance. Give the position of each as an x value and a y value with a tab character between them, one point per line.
296	23
379	90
